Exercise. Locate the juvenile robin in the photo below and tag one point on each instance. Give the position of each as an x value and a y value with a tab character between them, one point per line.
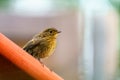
43	44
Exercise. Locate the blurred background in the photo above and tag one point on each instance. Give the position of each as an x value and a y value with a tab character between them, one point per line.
88	47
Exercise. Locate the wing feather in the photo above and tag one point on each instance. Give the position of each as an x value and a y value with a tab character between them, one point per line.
31	44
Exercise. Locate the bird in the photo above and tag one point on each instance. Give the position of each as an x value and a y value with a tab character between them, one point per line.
43	44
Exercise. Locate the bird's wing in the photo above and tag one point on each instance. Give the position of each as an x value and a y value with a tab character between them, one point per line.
32	43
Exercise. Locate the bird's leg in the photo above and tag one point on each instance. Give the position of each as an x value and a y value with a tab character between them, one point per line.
51	70
41	62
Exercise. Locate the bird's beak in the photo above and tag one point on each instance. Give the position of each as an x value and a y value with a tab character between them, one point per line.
59	31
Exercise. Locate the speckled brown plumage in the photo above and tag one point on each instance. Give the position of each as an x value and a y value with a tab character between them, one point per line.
43	44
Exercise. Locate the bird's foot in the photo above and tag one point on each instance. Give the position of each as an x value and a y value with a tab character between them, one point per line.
41	62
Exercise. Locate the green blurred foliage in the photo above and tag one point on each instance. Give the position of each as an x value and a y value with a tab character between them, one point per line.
66	4
4	4
116	5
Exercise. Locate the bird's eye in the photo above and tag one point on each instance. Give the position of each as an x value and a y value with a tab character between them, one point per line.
51	31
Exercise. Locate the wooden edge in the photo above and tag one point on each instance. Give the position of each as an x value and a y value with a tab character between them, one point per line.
24	61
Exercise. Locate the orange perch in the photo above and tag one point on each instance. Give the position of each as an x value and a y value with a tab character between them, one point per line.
25	61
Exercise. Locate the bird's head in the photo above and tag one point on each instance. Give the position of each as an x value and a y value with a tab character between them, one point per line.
50	32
